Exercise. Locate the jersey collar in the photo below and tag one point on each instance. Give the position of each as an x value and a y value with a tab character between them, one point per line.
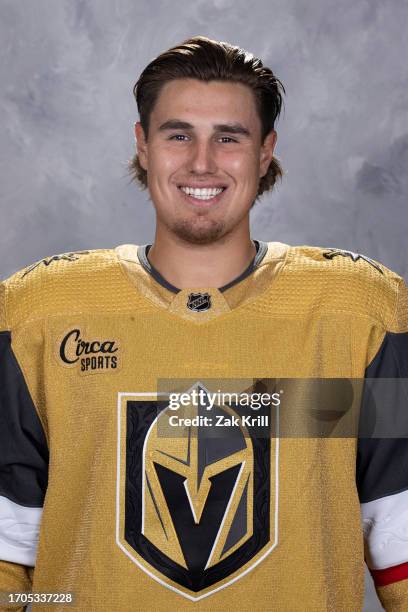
142	252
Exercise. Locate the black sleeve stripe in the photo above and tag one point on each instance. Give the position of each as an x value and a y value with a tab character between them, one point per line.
382	463
391	360
24	452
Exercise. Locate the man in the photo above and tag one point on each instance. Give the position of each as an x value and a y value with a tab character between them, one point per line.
98	496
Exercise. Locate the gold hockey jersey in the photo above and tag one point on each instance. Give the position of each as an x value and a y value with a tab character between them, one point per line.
109	492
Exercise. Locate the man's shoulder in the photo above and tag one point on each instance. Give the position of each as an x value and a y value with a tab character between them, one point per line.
57	282
345	281
340	261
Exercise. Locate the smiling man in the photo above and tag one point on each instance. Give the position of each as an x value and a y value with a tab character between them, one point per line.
204	160
103	499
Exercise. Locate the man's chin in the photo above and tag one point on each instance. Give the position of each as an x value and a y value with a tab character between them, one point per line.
199	235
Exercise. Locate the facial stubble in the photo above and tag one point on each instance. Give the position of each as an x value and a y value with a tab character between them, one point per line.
199	230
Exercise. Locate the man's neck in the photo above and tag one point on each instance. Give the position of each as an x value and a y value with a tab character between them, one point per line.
187	265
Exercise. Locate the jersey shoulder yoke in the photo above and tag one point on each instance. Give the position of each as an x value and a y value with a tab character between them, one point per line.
75	282
346	281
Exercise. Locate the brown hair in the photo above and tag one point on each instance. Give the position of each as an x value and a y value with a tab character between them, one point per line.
201	58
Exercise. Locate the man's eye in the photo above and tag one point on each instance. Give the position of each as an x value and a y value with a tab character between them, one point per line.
177	136
228	138
181	137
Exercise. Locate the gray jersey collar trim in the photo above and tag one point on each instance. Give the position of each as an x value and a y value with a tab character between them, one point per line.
142	251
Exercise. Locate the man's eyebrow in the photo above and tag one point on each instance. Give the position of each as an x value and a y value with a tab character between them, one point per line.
232	128
229	128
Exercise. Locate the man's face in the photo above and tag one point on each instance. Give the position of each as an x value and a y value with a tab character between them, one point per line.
204	136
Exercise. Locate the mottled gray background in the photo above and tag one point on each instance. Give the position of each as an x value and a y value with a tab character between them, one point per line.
67	70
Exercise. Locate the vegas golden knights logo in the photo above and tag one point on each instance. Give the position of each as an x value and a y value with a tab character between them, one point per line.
195	510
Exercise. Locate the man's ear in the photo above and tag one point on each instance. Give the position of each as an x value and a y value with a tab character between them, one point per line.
267	149
141	145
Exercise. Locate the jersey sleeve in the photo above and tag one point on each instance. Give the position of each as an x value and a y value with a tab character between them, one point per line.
382	462
23	467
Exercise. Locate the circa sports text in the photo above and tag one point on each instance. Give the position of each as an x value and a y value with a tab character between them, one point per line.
95	354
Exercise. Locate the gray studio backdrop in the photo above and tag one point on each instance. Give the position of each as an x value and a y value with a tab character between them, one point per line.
67	70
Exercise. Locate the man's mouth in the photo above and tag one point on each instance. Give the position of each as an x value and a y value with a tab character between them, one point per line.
202	193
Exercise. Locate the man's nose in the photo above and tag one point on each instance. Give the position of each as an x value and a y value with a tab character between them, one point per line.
202	157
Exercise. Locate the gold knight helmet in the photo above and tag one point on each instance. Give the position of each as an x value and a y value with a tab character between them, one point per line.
197	487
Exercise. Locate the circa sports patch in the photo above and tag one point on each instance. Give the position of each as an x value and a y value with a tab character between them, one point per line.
87	352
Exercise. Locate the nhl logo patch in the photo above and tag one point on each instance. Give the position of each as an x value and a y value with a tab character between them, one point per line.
198	302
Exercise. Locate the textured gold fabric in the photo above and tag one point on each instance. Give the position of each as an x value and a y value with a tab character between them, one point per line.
298	315
394	597
14	578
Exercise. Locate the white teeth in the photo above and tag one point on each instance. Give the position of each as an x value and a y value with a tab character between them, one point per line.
202	194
